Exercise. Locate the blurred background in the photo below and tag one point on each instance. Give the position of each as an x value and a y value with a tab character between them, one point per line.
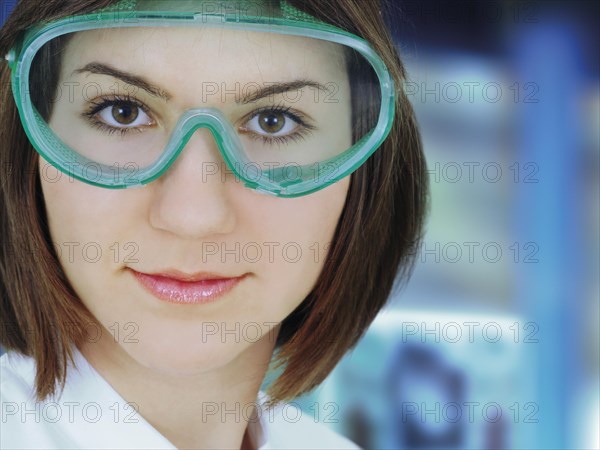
494	343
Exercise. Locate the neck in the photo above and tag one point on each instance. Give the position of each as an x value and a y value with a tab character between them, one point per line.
208	409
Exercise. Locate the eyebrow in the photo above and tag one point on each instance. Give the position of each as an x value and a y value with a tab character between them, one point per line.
129	78
280	88
142	83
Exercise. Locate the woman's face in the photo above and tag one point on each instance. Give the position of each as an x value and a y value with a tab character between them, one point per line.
194	218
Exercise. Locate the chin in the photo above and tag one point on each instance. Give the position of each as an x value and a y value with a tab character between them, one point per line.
184	357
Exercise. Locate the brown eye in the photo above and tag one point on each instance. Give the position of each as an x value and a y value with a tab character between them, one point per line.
119	114
125	114
276	123
271	122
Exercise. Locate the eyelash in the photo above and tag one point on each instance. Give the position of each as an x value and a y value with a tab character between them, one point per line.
305	127
90	114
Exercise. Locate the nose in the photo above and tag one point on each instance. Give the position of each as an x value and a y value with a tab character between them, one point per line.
192	199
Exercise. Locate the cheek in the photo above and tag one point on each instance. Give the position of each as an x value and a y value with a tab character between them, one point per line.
79	209
84	222
300	232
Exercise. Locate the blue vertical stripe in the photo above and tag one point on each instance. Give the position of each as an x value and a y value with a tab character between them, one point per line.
549	213
6	7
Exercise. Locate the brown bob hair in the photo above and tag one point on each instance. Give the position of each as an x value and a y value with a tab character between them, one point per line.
373	249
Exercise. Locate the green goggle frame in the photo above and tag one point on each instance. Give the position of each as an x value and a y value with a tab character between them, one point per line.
130	13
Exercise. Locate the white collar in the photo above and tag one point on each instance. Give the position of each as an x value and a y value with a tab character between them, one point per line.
93	412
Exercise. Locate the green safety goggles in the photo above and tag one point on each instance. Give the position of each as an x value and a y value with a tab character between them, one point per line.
113	97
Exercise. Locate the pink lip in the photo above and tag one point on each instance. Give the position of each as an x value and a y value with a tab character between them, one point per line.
177	287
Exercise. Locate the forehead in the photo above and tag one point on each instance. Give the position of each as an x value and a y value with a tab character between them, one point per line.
209	53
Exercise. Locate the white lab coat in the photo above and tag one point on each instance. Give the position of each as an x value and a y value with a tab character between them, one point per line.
91	414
